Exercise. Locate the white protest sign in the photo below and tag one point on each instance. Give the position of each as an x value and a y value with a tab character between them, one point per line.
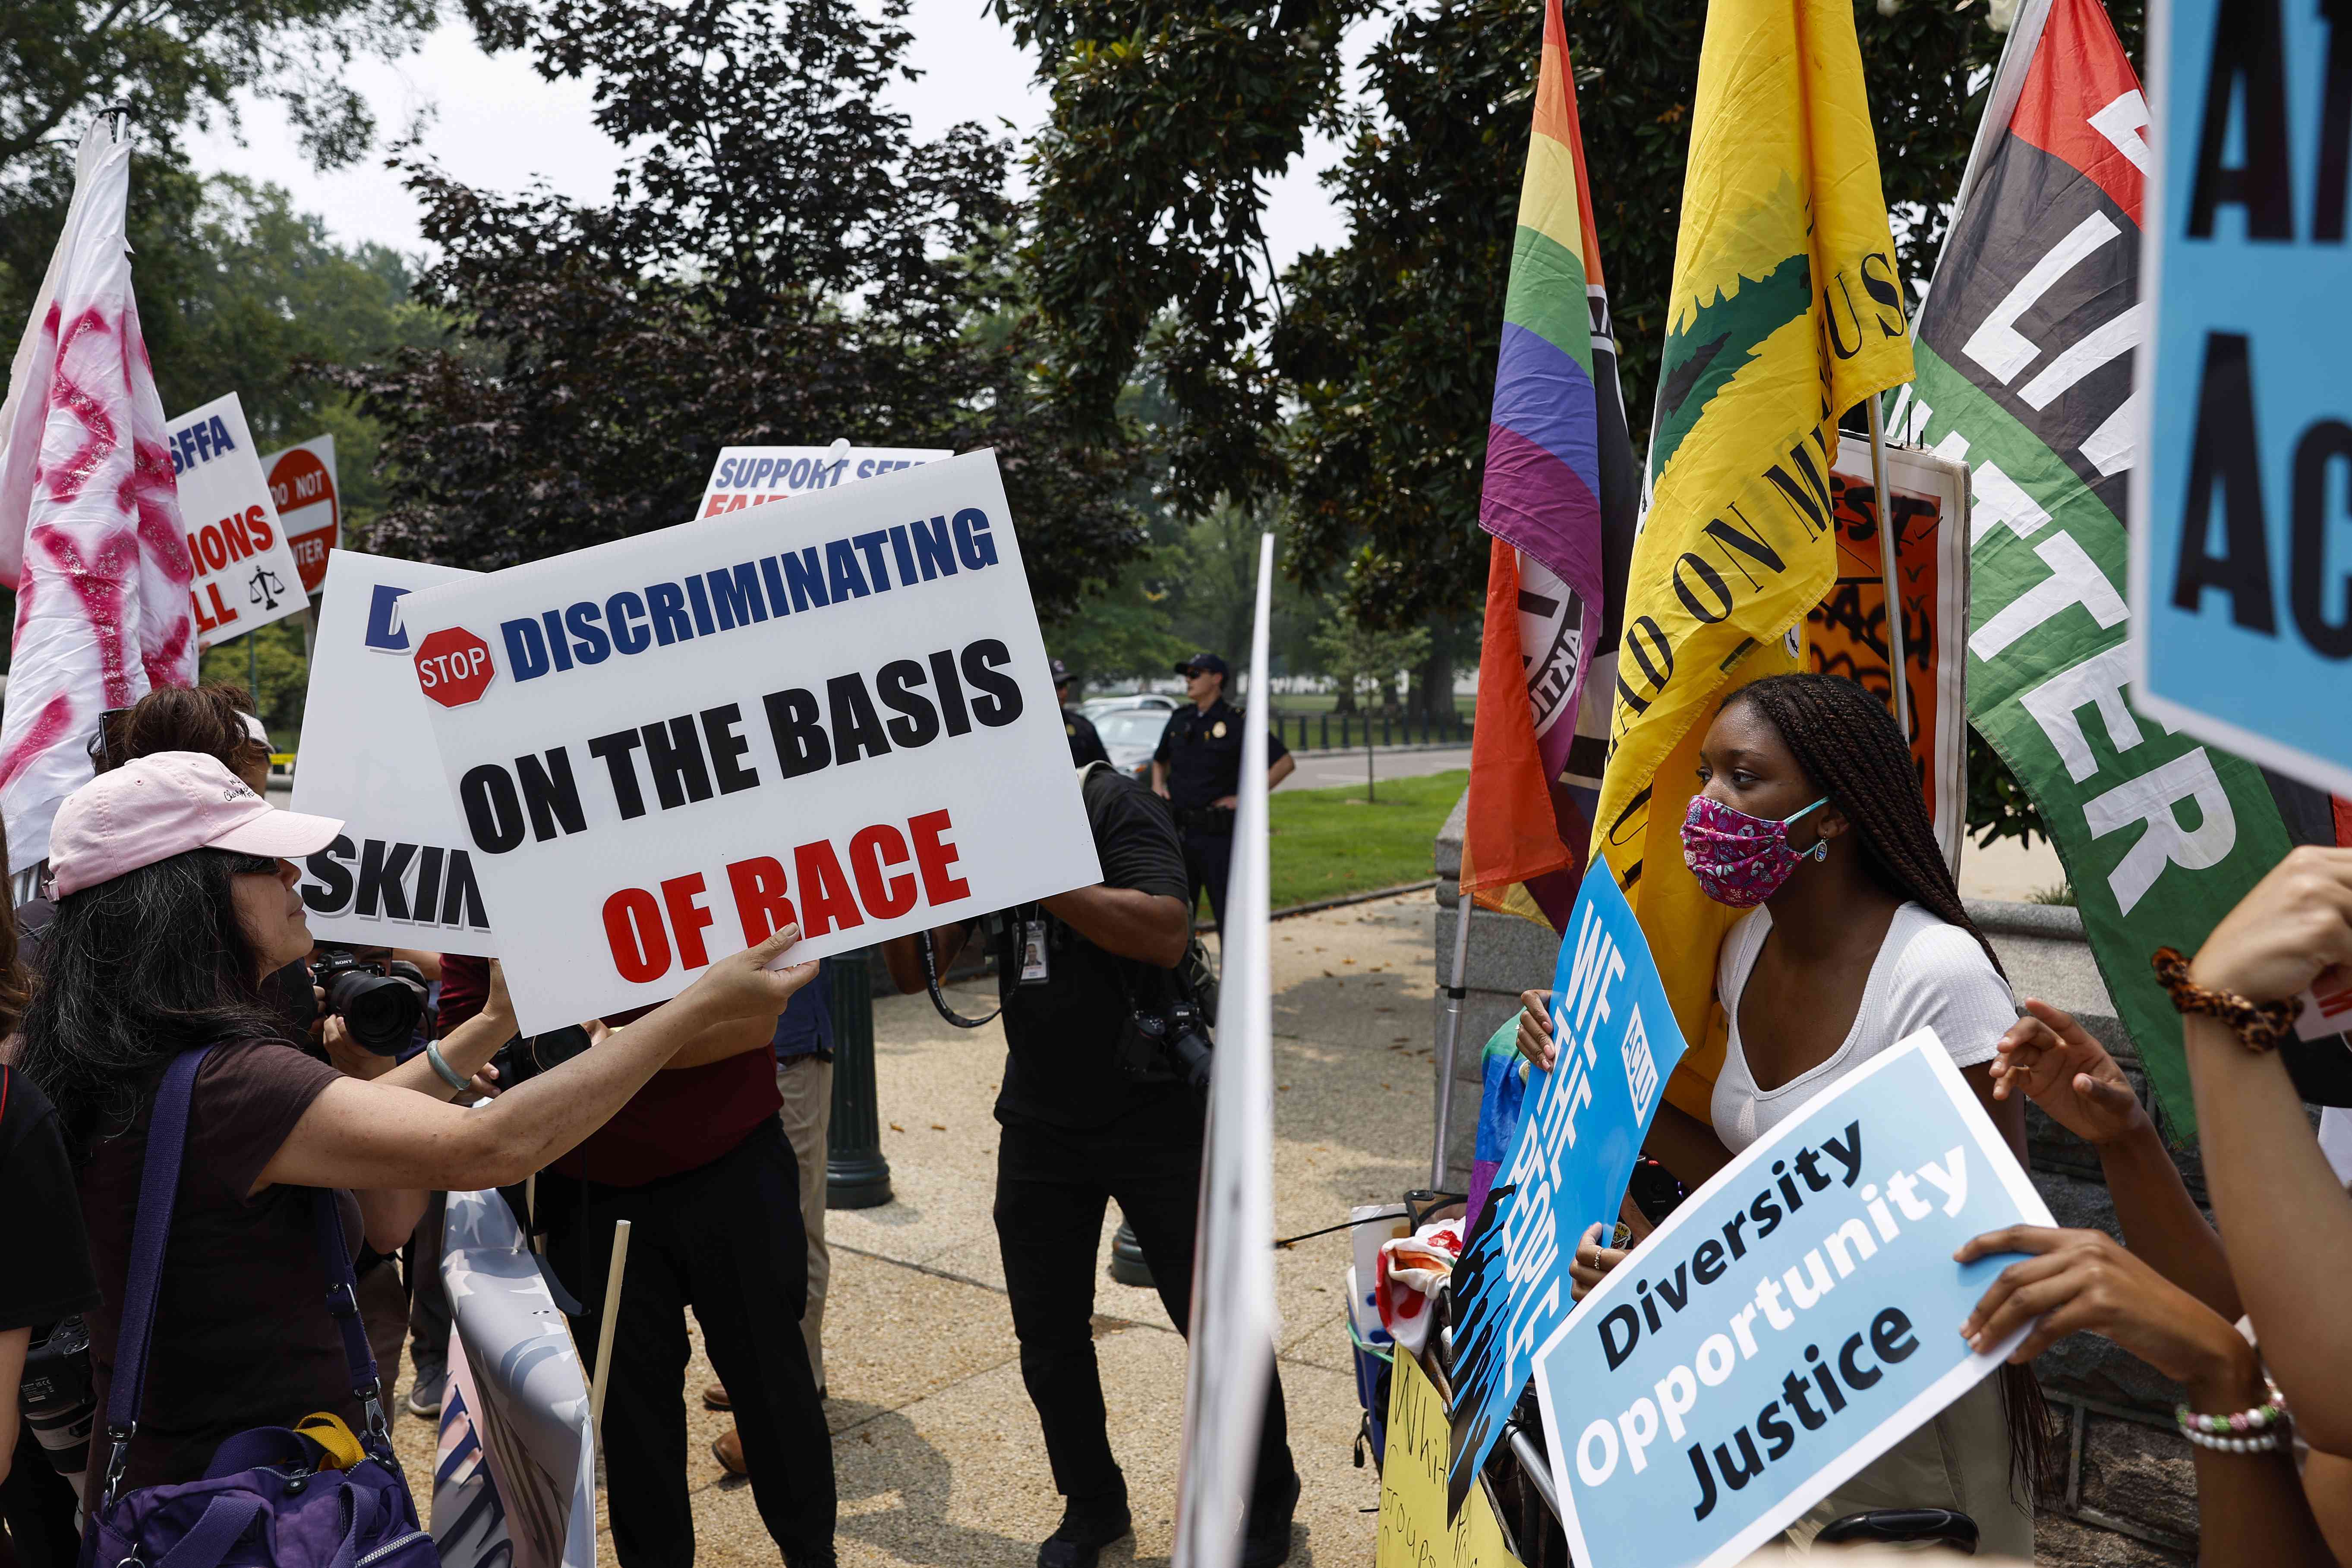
245	576
401	875
302	487
754	476
666	746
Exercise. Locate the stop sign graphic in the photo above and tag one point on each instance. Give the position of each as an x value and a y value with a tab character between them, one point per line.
453	666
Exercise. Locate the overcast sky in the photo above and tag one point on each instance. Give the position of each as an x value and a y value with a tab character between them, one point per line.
497	125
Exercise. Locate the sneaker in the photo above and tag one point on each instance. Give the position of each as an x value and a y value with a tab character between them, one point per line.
1086	1528
1265	1541
424	1400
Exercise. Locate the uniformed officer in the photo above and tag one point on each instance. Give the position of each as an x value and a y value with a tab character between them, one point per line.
1198	771
1085	746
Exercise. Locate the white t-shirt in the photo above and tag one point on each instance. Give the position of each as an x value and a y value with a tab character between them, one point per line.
1929	975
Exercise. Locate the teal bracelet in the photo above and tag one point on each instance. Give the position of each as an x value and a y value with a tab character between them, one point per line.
440	1064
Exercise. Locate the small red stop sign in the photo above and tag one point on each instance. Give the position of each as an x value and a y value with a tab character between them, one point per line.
453	666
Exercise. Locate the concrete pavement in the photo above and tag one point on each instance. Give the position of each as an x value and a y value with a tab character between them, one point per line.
937	1450
1324	770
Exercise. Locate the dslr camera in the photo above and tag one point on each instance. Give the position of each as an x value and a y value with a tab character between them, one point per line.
380	1001
1172	1043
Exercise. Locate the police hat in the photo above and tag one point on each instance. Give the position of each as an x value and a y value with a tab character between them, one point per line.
1202	665
1061	674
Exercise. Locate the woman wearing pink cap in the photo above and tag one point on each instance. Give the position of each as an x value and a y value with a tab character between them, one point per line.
174	896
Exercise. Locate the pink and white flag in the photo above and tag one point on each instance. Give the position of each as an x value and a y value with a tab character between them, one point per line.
89	517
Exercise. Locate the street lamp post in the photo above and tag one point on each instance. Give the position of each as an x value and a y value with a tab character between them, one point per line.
855	1174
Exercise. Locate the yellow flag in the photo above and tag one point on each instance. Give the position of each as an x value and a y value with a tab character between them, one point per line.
1785	311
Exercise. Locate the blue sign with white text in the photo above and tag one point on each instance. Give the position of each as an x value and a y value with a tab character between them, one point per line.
1579	1132
2242	524
1795	1318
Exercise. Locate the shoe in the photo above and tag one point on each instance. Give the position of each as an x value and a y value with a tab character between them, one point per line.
1265	1541
727	1449
1087	1529
424	1400
714	1398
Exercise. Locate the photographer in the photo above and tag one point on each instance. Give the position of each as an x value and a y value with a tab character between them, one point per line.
175	898
1082	1125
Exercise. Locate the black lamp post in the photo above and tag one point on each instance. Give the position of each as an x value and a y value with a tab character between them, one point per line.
855	1174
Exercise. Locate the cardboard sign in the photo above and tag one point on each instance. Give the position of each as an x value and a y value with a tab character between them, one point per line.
1795	1318
2240	571
245	576
1414	1532
401	875
1570	1161
838	714
302	488
754	476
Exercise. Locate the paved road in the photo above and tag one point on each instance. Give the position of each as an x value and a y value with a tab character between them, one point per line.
1323	770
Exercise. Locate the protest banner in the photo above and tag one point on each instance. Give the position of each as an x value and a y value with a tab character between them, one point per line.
1417	1529
2026	350
665	748
310	506
515	1486
1229	1352
1794	1319
1785	311
245	575
754	476
401	873
1845	634
2240	587
1578	1132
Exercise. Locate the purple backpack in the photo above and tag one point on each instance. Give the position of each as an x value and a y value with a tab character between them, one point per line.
265	1501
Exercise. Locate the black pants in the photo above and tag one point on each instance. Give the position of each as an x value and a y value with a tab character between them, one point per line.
1051	1186
724	1238
1208	858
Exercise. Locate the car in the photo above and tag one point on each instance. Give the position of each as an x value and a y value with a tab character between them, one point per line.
1131	734
1095	708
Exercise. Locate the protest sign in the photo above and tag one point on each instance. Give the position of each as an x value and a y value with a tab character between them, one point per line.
245	576
309	507
1415	1531
754	476
2240	595
1578	1136
1795	1318
518	1456
665	748
401	873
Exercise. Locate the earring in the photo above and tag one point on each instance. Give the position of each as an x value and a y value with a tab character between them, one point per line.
1820	852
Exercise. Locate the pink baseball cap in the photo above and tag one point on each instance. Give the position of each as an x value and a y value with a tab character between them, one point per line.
164	804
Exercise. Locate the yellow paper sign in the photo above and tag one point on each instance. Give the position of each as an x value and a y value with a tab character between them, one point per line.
1413	1532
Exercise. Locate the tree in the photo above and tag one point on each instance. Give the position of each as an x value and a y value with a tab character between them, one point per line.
781	262
1364	660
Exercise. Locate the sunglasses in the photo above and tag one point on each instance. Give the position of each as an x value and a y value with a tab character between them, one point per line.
252	865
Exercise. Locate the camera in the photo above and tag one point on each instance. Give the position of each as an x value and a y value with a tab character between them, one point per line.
381	1002
58	1397
1175	1044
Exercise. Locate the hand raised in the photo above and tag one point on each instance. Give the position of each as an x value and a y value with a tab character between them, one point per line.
1535	1028
742	984
1590	1262
2295	925
2061	1068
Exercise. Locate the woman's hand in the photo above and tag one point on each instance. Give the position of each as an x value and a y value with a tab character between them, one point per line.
1590	1261
498	1003
349	1056
2066	1072
2295	925
2085	1281
742	986
1535	1028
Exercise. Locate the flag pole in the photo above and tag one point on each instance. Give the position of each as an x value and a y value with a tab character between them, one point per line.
1451	1045
1897	670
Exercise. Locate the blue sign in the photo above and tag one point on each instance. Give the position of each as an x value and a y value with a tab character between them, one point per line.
2242	504
1796	1317
1578	1132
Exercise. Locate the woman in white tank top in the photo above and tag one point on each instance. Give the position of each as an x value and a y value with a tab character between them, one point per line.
1809	811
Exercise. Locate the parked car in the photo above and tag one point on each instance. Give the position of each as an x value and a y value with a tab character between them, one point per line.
1095	708
1131	734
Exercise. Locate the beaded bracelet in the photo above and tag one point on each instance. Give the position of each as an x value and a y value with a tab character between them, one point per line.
2254	1431
2259	1026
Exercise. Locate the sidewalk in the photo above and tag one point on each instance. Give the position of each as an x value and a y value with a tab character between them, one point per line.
936	1447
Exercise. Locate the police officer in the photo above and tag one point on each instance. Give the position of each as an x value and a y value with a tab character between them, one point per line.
1085	746
1198	771
1081	1126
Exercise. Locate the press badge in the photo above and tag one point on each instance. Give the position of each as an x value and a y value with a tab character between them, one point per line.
1032	951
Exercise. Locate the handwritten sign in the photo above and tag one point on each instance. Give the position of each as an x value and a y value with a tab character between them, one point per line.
1414	1530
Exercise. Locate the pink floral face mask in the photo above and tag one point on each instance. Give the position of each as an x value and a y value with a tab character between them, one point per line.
1742	860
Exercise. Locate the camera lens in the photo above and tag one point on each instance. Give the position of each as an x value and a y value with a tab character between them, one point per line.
381	1012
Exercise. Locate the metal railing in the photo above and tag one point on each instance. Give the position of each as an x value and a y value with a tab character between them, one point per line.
1353	731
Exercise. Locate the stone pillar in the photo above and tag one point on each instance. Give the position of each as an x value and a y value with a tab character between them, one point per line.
855	1174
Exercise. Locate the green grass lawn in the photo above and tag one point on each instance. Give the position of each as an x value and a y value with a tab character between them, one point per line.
1329	842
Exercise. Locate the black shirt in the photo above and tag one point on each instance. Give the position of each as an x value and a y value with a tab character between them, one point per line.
1202	751
45	1269
1086	745
1063	1033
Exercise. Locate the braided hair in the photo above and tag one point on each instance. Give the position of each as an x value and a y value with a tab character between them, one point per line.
1846	742
1850	748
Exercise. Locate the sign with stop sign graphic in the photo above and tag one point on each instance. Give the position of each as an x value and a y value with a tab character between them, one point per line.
302	488
453	666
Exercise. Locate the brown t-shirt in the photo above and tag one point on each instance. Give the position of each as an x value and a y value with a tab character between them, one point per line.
243	1337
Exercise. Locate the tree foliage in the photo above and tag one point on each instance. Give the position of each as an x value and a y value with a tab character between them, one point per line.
781	263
